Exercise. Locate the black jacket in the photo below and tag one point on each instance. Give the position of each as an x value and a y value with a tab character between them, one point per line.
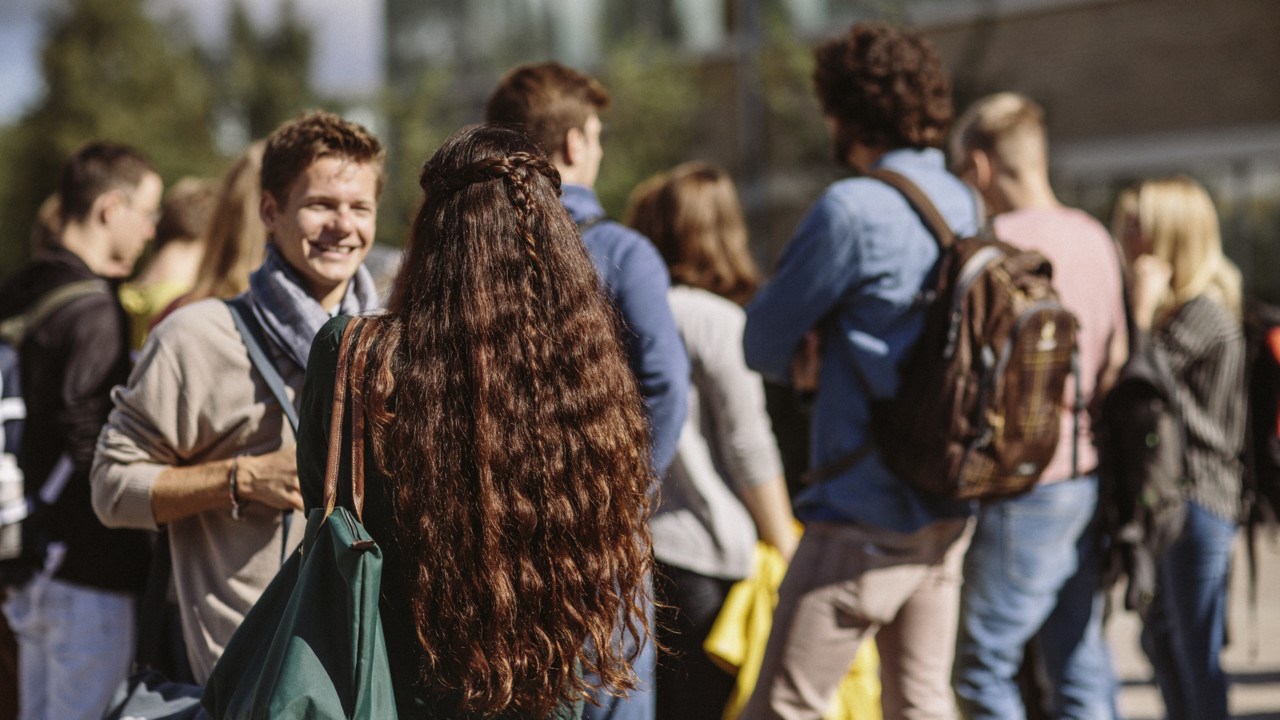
68	365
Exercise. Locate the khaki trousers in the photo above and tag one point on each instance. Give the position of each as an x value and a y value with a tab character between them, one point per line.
848	583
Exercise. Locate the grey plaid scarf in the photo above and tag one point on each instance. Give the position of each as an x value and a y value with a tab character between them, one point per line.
290	316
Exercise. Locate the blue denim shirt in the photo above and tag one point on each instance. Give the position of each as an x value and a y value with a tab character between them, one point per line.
853	271
637	282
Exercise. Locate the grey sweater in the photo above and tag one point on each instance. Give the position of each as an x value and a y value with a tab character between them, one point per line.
726	444
193	398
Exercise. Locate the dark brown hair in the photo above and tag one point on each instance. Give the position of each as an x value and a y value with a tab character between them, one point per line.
885	87
502	408
693	216
545	101
293	146
95	169
185	214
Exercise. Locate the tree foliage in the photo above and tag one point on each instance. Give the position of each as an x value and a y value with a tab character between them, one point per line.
262	80
654	120
110	72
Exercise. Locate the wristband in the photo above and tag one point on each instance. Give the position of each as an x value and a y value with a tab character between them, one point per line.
234	489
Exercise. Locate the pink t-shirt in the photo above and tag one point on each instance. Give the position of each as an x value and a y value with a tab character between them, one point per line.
1086	273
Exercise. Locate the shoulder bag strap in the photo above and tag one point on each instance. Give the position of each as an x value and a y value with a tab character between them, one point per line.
347	369
255	342
14	329
920	202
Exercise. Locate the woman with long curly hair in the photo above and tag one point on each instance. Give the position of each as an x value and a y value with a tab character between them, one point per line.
508	483
1186	309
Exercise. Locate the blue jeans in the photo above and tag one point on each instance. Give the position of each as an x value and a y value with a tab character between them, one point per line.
1032	572
1184	628
75	647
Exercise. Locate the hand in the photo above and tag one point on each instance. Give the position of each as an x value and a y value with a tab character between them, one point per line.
806	366
1151	277
271	479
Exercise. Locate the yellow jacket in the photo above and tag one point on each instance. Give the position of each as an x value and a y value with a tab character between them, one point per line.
741	631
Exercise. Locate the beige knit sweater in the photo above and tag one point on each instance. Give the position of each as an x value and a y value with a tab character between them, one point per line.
192	398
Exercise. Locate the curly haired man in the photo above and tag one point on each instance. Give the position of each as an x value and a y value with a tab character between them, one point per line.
878	558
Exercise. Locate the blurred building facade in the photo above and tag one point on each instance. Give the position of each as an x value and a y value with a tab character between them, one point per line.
1132	88
1136	88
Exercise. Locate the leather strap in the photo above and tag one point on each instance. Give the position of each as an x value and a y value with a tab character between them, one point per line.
945	237
357	378
334	460
920	202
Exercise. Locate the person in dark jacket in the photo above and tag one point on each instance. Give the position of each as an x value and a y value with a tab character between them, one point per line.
74	617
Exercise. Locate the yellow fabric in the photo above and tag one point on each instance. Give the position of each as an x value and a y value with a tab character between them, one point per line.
144	303
741	631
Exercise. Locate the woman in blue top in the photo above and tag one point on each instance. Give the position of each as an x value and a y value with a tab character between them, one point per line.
508	483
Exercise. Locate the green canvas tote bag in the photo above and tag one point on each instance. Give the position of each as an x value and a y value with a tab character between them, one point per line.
312	646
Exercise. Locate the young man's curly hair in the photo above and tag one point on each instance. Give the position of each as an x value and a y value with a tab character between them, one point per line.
885	87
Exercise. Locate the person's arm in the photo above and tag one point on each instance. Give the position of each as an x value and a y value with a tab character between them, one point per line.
814	271
770	508
96	360
141	477
734	397
656	353
270	479
1118	341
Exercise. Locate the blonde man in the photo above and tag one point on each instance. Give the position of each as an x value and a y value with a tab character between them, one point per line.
1031	573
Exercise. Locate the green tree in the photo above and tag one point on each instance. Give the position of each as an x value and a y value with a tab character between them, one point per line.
420	114
654	121
264	76
110	72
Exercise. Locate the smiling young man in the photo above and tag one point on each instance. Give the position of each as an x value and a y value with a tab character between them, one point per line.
197	440
74	617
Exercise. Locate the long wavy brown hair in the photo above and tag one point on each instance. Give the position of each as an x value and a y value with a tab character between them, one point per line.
503	410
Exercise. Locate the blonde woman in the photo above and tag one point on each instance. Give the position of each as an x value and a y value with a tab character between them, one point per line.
236	241
1186	304
725	487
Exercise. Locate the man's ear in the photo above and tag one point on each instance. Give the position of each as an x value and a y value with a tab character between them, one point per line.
107	205
268	210
575	141
982	172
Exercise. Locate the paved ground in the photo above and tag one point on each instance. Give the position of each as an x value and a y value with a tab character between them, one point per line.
1252	659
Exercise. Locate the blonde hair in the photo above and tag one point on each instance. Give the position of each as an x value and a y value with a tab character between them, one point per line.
1175	221
237	239
1007	126
693	216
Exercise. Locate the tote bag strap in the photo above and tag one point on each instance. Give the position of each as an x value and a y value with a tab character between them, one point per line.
347	369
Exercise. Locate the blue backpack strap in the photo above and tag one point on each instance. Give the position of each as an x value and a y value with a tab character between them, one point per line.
255	341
